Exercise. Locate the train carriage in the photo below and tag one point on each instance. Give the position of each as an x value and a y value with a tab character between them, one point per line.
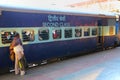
53	34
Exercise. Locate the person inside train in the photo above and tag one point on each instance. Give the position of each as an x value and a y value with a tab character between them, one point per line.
77	34
16	44
55	35
7	35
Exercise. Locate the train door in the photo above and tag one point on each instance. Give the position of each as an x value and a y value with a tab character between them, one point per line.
117	27
100	37
117	42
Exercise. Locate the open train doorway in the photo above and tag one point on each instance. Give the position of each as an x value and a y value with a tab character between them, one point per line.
100	38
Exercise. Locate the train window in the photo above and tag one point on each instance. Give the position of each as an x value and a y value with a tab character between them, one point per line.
56	33
43	34
94	31
111	30
86	31
78	32
68	33
28	35
7	36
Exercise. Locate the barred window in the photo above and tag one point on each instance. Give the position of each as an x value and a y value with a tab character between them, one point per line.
27	35
43	34
86	31
7	36
56	33
94	31
68	33
78	32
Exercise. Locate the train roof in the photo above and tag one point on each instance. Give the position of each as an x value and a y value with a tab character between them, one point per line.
56	11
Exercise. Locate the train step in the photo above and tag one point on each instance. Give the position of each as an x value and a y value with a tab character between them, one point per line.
99	48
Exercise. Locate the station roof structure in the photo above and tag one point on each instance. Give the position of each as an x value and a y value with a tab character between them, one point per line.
97	6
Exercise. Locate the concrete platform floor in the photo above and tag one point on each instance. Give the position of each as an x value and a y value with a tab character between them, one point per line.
104	65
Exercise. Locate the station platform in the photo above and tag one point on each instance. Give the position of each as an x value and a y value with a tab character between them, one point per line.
103	65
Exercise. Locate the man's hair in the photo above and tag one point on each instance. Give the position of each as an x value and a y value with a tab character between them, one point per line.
16	34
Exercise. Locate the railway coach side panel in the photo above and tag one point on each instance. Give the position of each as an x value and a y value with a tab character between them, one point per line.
109	36
82	45
45	51
5	61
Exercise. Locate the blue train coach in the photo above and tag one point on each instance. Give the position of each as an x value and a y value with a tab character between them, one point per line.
53	34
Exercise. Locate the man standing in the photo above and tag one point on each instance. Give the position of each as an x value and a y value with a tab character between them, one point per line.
19	55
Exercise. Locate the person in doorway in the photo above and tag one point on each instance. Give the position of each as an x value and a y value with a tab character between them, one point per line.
118	35
19	54
118	39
